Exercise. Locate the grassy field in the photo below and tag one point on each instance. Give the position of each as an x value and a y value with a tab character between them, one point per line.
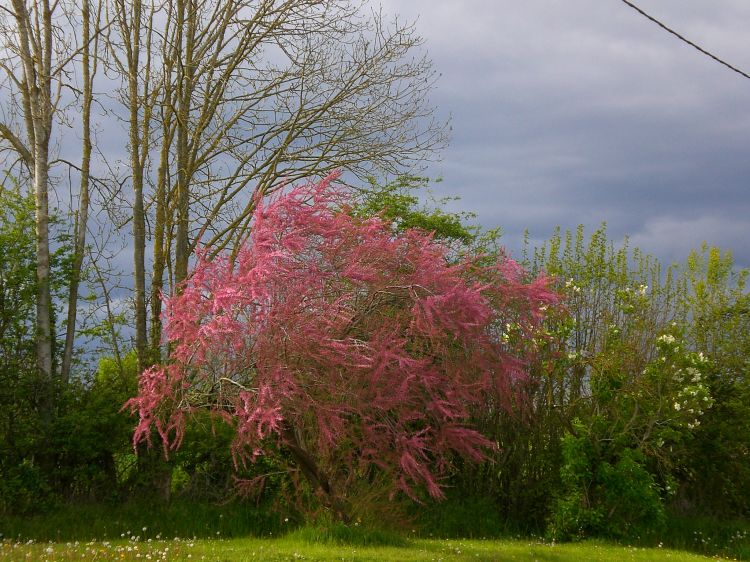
234	532
293	548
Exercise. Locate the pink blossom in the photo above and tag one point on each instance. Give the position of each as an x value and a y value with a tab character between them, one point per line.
331	335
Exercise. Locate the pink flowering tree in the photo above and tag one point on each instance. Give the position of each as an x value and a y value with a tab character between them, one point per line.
358	352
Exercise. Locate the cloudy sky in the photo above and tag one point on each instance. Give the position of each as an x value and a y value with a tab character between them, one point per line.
568	112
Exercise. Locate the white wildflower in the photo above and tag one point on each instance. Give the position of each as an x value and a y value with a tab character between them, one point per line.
666	338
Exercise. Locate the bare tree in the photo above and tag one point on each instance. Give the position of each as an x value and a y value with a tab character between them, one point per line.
47	48
253	94
133	61
223	103
33	64
290	90
89	56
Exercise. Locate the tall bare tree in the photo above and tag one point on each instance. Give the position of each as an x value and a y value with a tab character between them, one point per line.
133	60
223	103
89	56
253	94
49	53
33	65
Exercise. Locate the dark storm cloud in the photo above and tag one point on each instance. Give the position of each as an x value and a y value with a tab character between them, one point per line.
582	111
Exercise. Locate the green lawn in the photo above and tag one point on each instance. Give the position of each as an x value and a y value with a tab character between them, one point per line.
294	549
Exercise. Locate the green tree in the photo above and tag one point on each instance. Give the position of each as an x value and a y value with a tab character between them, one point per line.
716	304
653	369
399	202
617	305
19	385
25	392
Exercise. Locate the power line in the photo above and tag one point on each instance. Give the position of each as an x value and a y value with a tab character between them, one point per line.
681	38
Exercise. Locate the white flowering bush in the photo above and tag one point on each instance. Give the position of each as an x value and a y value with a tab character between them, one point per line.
620	462
684	374
625	414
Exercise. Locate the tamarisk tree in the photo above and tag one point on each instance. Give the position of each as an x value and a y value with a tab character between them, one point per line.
358	352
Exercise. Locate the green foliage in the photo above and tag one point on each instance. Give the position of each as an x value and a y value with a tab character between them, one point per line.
606	491
600	347
201	471
716	305
129	474
206	471
638	370
25	457
621	465
654	362
24	488
463	515
398	202
17	277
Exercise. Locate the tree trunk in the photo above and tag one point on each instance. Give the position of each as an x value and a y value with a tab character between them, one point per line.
35	46
81	223
185	28
317	479
44	300
160	225
129	19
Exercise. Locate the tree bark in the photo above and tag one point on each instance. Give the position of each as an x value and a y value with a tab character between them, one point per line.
160	226
317	479
81	223
185	31
36	60
138	100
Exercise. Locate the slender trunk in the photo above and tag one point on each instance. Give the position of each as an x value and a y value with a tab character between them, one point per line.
111	323
131	25
182	242
157	277
139	251
36	58
44	300
83	200
186	34
317	479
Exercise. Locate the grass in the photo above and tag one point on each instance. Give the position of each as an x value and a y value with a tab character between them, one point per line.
124	531
706	535
296	548
338	534
178	519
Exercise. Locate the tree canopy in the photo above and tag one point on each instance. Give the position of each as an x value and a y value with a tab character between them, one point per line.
359	351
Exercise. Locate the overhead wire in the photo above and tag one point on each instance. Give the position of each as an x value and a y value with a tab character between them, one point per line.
685	40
